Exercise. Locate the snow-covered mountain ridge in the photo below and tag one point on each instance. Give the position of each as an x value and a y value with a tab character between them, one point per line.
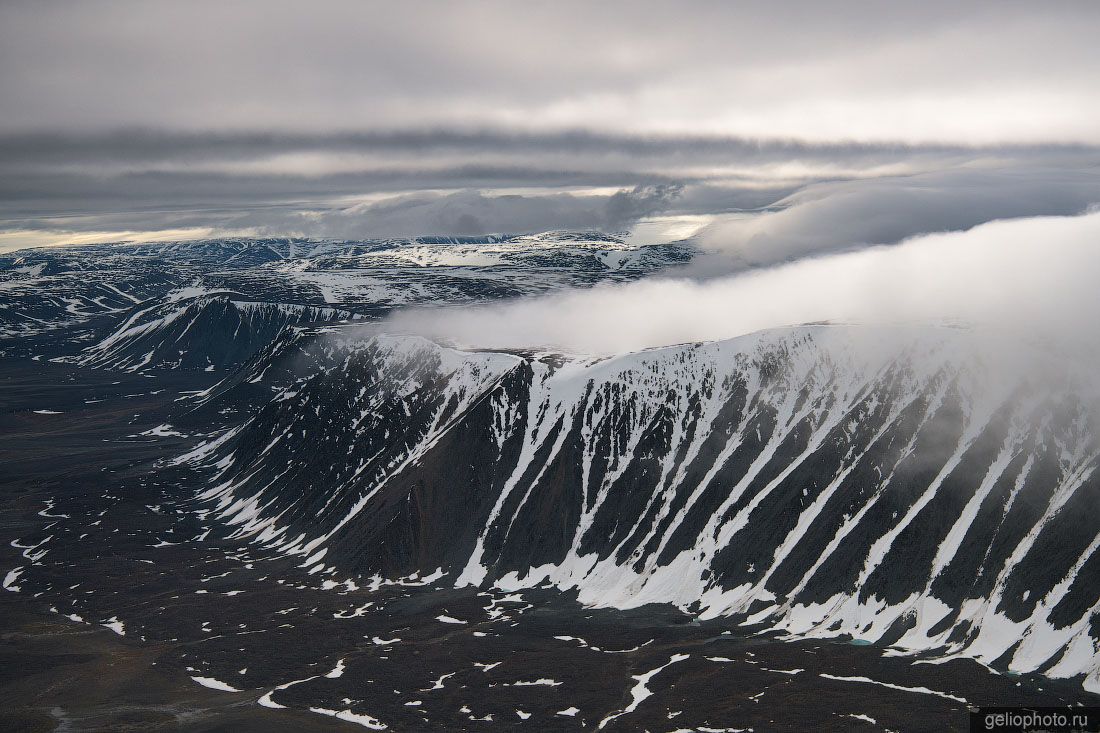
97	287
898	486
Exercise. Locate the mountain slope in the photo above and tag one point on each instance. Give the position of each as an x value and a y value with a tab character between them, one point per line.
895	486
208	332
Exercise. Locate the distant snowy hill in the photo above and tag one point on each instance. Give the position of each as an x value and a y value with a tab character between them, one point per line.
98	287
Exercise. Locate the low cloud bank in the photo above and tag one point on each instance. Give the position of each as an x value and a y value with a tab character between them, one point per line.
473	213
1034	275
836	216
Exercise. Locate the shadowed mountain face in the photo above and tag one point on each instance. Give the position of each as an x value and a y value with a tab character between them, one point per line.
821	481
215	451
207	333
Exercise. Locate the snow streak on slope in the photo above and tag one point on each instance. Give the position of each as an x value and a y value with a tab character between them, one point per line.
895	485
378	409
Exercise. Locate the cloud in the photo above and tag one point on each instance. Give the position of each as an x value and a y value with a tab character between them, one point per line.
132	116
833	216
330	184
627	207
152	146
471	213
1029	276
467	212
937	70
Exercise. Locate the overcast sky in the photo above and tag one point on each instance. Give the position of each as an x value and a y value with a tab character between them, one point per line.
359	119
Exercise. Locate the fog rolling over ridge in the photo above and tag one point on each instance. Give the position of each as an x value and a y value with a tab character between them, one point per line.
1027	278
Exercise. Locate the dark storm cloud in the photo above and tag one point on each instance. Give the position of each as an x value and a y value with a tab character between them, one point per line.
148	146
46	175
36	194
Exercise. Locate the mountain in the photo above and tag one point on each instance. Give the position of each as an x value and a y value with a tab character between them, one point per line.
205	332
819	481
